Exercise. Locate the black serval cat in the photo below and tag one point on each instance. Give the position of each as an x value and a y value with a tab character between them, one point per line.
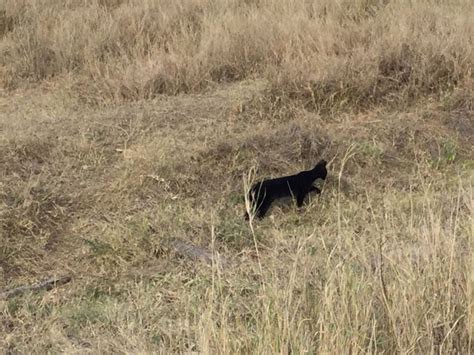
263	193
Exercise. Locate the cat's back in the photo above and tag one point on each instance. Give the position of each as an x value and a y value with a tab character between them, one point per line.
284	182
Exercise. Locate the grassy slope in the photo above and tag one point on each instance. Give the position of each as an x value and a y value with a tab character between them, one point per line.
91	157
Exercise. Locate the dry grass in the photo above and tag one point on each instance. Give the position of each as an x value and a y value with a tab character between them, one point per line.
329	54
116	115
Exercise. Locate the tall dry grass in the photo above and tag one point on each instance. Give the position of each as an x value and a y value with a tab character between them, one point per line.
315	285
327	53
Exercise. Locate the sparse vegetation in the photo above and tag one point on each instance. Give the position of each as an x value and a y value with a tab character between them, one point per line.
118	115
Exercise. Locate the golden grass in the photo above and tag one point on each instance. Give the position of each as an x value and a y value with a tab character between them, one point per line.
327	53
116	115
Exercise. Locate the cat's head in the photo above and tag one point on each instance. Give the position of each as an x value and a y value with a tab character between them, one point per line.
320	169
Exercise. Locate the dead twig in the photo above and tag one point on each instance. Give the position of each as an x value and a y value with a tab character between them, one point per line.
43	285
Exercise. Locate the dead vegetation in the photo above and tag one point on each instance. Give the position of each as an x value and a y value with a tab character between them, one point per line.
328	55
118	115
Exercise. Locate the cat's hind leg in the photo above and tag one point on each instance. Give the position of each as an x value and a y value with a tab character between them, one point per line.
300	198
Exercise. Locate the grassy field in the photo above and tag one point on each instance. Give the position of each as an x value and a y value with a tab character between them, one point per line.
125	124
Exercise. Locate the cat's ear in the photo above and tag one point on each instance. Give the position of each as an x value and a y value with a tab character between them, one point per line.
322	162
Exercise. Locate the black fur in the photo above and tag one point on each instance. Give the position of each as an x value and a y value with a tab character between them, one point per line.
263	193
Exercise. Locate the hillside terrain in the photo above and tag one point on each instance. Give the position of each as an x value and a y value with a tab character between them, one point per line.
126	125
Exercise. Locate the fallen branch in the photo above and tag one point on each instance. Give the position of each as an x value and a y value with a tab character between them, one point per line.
44	285
194	252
